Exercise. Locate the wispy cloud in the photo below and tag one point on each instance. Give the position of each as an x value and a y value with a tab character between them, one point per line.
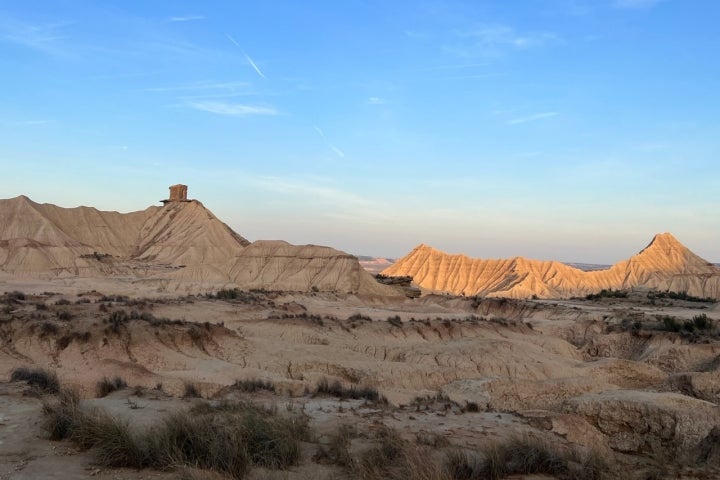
201	86
186	18
490	40
532	118
651	146
306	188
474	76
376	101
26	123
416	35
46	38
247	57
332	147
337	151
458	66
233	109
636	3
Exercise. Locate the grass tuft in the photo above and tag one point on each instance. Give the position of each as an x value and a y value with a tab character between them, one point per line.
106	386
525	456
226	438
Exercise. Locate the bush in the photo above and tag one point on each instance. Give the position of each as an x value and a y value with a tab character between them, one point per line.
395	321
396	459
679	296
227	438
607	294
337	451
106	386
702	322
207	442
524	456
190	390
670	324
39	378
62	417
14	297
336	389
48	328
253	385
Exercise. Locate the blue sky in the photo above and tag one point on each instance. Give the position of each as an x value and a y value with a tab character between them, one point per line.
552	129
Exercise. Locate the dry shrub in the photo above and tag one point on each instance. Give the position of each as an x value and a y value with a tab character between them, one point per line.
190	390
106	386
432	440
336	389
61	417
395	459
525	456
253	385
44	380
337	451
227	438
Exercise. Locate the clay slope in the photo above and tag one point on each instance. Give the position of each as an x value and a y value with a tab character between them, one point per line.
180	246
46	240
665	264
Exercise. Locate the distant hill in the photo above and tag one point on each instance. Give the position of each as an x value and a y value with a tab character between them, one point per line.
375	264
665	264
180	245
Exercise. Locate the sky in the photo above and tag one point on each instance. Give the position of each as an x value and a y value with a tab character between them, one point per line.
552	129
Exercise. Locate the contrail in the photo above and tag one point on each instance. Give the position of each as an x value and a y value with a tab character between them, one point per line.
247	57
319	131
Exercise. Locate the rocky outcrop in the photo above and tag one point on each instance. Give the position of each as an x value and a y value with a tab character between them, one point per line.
648	423
665	264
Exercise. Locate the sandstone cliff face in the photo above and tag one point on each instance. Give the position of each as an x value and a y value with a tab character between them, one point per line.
665	264
180	246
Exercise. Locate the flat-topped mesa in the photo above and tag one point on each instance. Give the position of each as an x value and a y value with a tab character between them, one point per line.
178	193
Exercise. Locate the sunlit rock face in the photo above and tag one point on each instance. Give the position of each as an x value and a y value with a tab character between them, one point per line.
665	264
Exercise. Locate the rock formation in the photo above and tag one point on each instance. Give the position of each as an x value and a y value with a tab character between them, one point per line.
179	246
178	193
665	264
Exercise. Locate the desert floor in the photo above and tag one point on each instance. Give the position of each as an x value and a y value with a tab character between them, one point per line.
607	378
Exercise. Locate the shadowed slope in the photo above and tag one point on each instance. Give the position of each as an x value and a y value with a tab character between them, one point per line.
664	264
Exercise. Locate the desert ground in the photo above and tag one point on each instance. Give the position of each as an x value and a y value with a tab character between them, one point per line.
622	385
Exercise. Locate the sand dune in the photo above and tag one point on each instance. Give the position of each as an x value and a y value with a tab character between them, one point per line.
665	264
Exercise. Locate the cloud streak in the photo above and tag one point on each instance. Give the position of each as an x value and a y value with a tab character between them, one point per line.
492	40
200	86
233	109
532	118
247	57
332	147
187	18
636	3
26	123
46	38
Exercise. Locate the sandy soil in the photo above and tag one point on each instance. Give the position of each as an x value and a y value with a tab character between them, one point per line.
600	375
